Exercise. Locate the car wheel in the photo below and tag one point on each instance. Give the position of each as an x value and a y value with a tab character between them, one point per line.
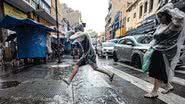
115	58
136	61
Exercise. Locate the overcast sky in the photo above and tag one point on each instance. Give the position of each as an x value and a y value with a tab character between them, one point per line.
93	12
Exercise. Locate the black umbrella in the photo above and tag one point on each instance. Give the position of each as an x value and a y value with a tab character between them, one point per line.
11	37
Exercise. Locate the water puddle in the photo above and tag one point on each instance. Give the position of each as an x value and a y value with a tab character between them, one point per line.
8	84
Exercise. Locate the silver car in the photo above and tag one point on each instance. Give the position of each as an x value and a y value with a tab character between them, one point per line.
132	49
106	49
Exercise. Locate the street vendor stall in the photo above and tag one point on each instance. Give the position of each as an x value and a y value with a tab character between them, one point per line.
31	36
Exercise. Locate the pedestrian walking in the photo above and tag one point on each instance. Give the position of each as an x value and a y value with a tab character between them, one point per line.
168	39
1	54
13	46
88	57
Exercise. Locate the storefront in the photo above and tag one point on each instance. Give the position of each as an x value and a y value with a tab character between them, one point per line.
121	32
31	36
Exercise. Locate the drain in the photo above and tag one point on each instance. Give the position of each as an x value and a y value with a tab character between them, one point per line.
8	84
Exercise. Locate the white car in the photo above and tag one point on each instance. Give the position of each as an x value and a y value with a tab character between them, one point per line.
106	49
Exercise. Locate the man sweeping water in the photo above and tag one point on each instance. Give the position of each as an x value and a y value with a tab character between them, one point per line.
88	57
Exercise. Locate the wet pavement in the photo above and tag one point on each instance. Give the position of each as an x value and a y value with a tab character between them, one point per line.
42	84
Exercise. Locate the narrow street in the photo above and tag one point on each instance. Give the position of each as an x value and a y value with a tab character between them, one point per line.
43	84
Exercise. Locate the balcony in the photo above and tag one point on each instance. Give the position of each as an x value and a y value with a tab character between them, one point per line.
44	11
24	5
46	16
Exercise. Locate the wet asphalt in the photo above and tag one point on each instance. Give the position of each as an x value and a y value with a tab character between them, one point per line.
42	84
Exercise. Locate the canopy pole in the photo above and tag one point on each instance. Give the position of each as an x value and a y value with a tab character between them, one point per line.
57	25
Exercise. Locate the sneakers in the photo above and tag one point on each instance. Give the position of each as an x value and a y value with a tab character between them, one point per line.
111	78
68	82
151	95
168	88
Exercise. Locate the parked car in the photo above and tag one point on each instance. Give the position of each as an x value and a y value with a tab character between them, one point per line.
106	49
132	49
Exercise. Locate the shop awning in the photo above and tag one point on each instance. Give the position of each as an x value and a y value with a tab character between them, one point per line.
11	23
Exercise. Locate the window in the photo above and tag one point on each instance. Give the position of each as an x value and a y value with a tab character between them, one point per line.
151	5
141	11
122	41
144	39
146	6
134	15
45	6
128	42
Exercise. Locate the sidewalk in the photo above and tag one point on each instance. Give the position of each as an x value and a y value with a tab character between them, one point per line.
6	71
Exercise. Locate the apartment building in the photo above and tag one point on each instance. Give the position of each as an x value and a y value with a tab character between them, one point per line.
72	16
139	10
42	11
115	20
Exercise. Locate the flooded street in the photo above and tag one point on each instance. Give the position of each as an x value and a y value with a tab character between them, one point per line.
43	84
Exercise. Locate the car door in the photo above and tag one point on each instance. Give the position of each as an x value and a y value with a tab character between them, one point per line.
128	47
122	53
119	47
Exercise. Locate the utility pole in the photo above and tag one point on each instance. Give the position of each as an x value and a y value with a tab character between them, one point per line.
1	16
121	23
57	25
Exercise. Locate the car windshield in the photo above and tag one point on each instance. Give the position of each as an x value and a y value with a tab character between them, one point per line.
144	39
108	44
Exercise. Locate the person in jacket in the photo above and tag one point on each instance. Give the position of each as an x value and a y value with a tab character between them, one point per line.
168	40
88	57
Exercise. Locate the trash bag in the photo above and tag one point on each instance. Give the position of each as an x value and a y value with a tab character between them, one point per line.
146	60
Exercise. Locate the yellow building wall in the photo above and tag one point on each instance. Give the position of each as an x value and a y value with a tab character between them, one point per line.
135	22
9	10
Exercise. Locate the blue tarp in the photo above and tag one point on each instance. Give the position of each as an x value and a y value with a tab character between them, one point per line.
11	23
31	43
31	36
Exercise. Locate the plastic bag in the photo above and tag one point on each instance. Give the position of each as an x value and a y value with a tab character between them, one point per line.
146	60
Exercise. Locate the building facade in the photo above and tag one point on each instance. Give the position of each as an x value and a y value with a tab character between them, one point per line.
141	14
115	26
72	16
139	10
42	11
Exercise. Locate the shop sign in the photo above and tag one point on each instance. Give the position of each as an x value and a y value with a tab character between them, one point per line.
9	10
123	32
